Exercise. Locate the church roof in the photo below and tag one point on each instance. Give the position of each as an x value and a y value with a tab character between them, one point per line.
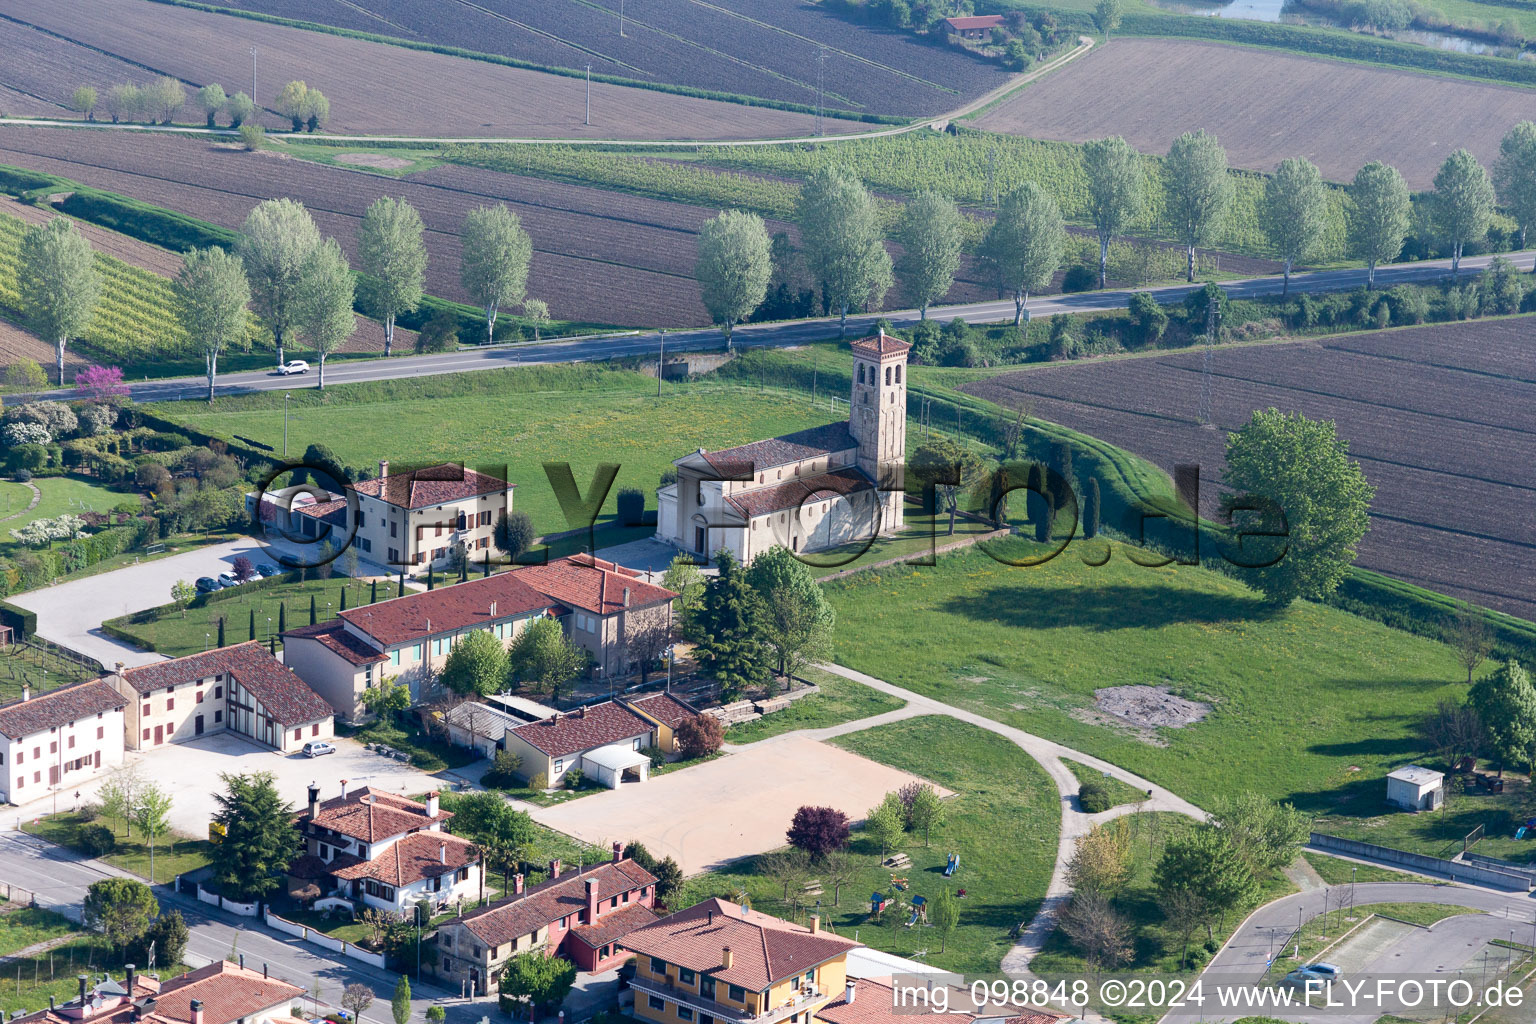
879	344
800	491
811	443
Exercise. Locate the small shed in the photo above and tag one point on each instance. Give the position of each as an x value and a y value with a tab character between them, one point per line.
974	26
610	765
1413	788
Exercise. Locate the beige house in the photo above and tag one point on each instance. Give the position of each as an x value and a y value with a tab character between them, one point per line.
415	518
242	689
665	712
603	740
608	608
815	489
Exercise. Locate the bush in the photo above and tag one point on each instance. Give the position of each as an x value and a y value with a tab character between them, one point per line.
538	781
96	840
1094	797
574	779
631	505
28	457
22	476
439	334
700	735
252	136
656	754
1080	278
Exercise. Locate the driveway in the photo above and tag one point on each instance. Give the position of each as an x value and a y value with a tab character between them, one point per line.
71	613
731	807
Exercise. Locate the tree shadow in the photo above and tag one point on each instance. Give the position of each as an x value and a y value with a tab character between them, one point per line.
1104	608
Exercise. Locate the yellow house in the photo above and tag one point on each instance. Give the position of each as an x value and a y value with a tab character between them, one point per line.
721	963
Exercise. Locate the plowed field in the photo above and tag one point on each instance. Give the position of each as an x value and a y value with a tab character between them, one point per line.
1439	418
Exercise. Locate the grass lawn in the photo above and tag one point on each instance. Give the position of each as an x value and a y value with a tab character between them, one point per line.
177	545
27	926
1440	833
27	983
1157	947
1421	914
1311	705
1338	871
839	700
428	754
1122	792
1003	821
172	632
60	494
174	854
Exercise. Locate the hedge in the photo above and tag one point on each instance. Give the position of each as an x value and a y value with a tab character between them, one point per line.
46	565
124	635
23	623
165	228
229	593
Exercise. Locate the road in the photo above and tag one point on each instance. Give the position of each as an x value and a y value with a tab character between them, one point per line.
769	335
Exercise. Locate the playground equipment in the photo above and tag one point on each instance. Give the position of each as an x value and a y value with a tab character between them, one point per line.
877	901
952	866
899	884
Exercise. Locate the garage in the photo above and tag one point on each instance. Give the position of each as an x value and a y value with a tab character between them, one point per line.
614	765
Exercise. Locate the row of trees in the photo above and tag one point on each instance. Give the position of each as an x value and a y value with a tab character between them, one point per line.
161	100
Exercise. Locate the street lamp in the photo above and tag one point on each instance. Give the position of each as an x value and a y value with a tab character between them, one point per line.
671	657
286	396
589	95
253	78
207	639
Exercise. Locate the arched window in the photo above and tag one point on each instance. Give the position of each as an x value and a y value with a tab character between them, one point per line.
898	373
887	376
861	373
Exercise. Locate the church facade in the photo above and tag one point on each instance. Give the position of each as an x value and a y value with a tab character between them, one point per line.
812	490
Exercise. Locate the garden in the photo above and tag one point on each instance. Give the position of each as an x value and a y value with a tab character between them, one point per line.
128	849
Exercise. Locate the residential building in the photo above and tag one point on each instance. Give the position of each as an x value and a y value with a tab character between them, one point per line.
808	491
384	850
719	962
603	607
976	26
416	518
57	740
242	689
666	712
610	611
603	740
875	1001
581	914
220	993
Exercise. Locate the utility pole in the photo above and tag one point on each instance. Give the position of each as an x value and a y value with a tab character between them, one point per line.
589	95
661	361
821	81
992	178
253	79
621	19
286	396
1204	415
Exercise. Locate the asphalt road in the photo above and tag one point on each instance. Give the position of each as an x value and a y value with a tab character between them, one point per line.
771	335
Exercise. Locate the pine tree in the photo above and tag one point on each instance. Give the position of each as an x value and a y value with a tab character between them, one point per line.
313	615
259	840
729	641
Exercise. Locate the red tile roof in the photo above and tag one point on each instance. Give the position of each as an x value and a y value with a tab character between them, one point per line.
799	492
670	711
287	698
811	443
449	609
333	512
875	1003
614	925
543	904
59	707
228	992
335	636
590	727
372	815
417	856
882	344
973	22
433	485
591	584
766	950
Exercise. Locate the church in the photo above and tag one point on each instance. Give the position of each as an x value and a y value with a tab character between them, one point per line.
809	491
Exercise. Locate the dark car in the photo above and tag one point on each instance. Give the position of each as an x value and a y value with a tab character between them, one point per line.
207	585
265	569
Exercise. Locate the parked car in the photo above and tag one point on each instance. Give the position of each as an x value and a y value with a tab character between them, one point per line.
265	570
293	366
207	584
229	579
318	748
1318	972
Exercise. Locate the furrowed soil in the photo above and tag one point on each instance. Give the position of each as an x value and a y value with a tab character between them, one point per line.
1336	114
374	88
1438	418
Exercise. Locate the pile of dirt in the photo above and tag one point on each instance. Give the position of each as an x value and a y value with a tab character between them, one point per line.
375	160
1142	710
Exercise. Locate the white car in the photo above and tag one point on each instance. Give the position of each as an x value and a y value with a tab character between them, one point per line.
318	748
1318	972
229	579
293	366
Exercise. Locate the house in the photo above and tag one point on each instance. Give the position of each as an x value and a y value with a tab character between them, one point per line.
808	491
1415	789
719	962
57	740
241	689
666	713
408	637
479	726
976	26
602	740
417	517
383	850
610	611
603	607
220	993
581	914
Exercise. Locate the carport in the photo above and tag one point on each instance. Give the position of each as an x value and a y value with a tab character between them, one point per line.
609	765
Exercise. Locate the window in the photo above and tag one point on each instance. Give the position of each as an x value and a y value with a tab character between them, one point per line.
218	716
559	766
314	730
53	747
37	776
360	520
71	743
100	732
887	376
21	780
861	373
21	754
738	994
685	976
394	658
658	966
218	691
37	753
612	902
684	1013
146	709
199	697
298	734
393	531
485	518
170	703
656	1002
898	373
146	733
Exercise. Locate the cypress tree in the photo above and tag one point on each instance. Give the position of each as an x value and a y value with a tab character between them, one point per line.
373	591
313	617
282	618
272	645
1043	524
431	576
221	631
253	622
1091	509
401	592
1035	481
343	598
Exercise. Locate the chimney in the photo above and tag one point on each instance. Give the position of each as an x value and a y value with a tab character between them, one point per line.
432	804
51	1004
554	869
197	1011
314	800
848	993
517	884
343	788
128	970
85	983
26	691
383	467
626	597
493	609
442	853
815	924
242	961
618	852
727	958
591	901
709	916
263	968
583	712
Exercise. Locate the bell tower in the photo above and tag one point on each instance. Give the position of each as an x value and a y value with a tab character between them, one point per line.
877	418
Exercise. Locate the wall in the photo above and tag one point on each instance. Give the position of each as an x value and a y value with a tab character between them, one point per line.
335	679
1454	870
35	771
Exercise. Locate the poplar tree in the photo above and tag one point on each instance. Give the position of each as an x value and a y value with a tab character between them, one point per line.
59	283
394	258
1116	192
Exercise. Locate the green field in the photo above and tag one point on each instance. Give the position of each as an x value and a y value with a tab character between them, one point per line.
1338	871
1311	705
60	494
1440	833
1003	822
173	855
21	927
1121	792
839	700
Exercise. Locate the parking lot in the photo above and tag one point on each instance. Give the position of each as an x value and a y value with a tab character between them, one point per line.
732	807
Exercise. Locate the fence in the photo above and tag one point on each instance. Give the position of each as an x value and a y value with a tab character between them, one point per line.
240	909
1456	871
1528	870
323	940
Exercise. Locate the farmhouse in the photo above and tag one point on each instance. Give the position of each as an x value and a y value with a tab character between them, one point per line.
383	850
416	517
723	961
59	739
976	26
610	611
603	740
242	689
666	713
220	993
1415	789
581	914
808	491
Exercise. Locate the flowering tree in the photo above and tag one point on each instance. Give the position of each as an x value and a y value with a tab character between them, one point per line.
101	384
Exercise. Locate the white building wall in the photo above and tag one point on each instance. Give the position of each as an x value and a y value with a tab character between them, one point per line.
28	765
